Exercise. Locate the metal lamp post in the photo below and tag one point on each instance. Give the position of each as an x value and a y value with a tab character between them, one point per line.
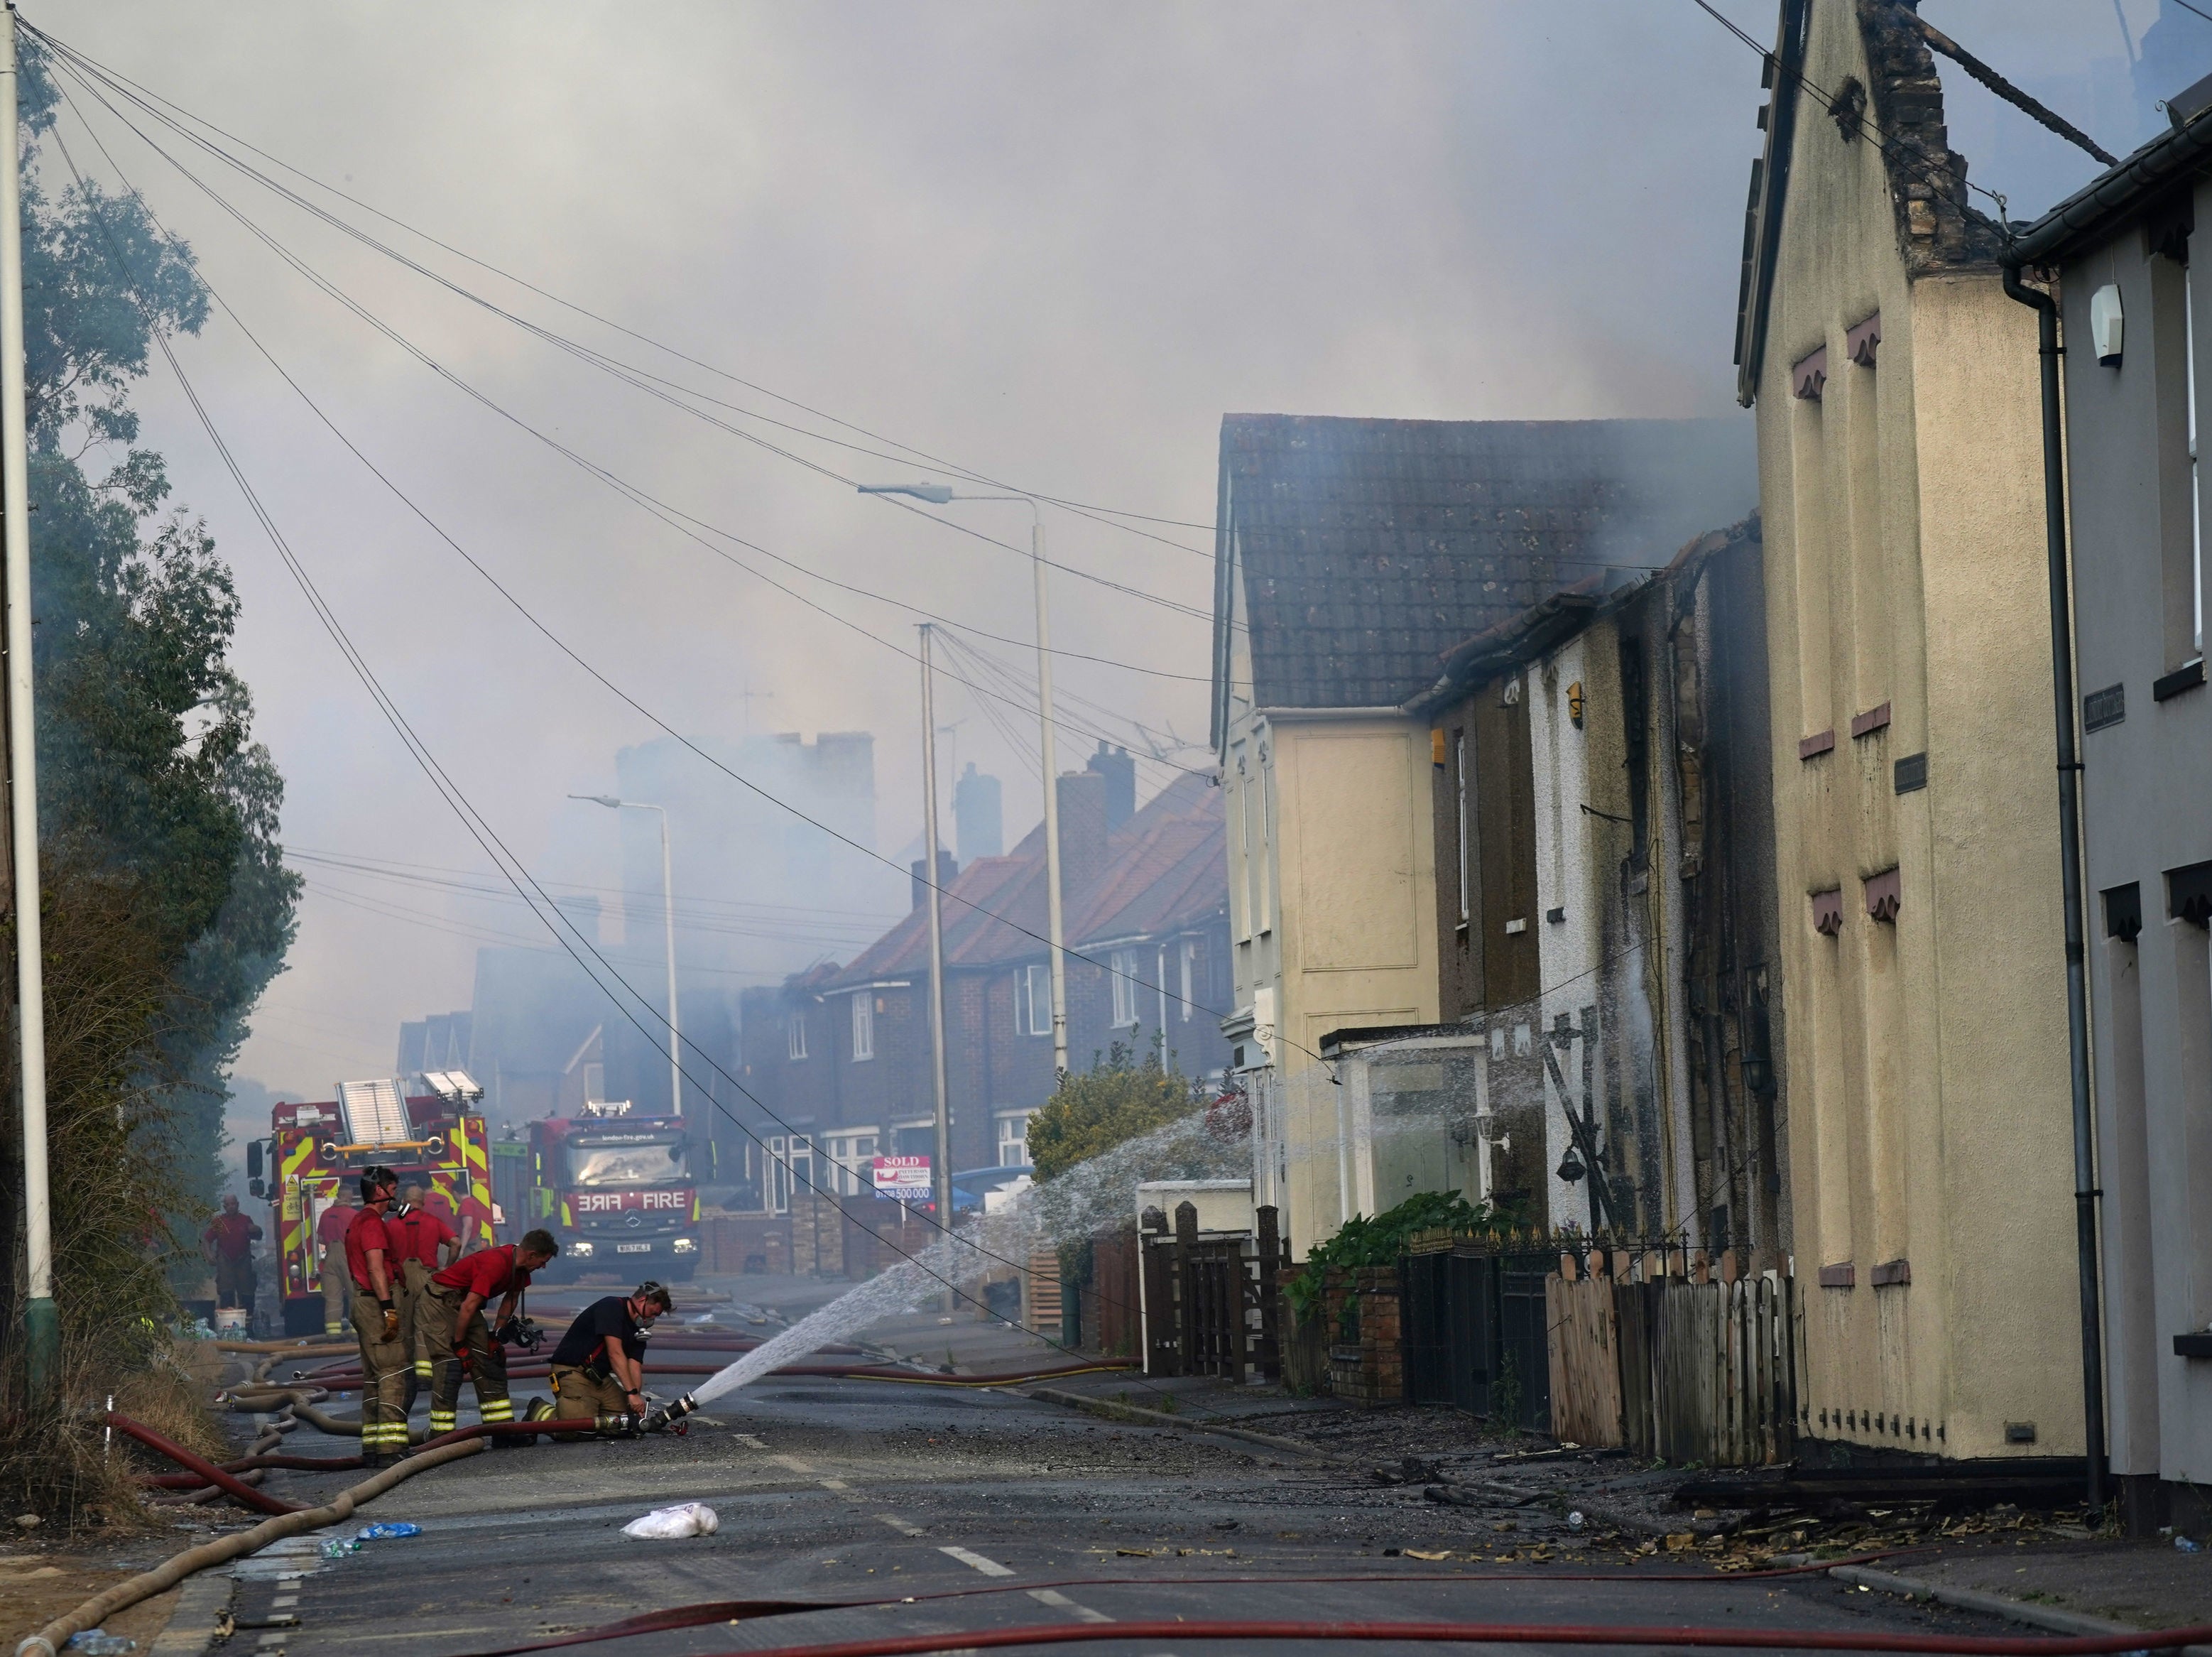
938	495
668	928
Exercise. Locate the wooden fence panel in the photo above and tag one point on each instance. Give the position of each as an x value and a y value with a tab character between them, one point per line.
1635	1334
1585	1362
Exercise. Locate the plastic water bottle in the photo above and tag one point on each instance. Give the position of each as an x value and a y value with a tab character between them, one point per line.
1574	1520
389	1532
339	1547
98	1642
2183	1544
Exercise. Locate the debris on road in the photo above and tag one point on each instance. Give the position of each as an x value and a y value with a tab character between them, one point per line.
668	1524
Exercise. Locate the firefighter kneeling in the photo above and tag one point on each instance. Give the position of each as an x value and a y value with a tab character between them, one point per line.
599	1368
450	1323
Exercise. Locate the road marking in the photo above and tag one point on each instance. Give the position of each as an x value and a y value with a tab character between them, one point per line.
792	1462
284	1601
835	1484
976	1561
900	1524
1055	1598
748	1439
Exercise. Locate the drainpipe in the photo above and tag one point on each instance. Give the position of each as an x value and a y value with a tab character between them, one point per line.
2069	857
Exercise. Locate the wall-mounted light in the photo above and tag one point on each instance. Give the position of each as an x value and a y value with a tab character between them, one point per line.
2107	324
1575	703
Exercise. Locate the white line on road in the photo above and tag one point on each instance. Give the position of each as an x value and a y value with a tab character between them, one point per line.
748	1440
900	1524
976	1561
1053	1596
835	1484
792	1462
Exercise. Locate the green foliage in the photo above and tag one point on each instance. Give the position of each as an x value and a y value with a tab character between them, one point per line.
1116	1101
1378	1242
167	909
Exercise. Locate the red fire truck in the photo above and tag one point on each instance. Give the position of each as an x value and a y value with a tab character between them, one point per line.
422	1129
617	1190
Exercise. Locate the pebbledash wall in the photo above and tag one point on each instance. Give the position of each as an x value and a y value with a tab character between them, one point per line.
1929	1135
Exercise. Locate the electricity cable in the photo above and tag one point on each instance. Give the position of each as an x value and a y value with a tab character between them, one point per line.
479	827
685	524
638	379
575	656
166	111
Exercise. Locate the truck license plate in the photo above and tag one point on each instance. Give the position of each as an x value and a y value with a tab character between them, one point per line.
633	1248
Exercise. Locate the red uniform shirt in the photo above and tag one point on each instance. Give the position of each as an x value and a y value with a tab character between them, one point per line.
233	1236
331	1229
368	1232
489	1272
419	1234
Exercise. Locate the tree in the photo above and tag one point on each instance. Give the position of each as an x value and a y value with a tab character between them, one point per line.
166	906
1116	1101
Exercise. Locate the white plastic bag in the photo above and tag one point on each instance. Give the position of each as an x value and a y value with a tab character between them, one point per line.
665	1524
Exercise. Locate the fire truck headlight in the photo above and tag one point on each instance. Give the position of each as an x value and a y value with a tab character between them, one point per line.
685	1246
579	1248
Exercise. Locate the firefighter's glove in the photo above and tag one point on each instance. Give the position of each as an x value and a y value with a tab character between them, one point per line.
391	1322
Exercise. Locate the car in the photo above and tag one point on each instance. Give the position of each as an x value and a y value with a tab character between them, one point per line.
983	1191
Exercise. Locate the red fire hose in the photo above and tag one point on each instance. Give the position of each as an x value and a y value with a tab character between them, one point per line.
200	1472
1056	1634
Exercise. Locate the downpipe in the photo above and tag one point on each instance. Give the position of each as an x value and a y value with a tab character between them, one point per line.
2049	350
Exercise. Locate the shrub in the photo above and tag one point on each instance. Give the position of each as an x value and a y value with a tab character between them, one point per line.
1378	1242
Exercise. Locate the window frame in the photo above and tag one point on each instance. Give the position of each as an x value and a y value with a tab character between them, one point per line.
1121	969
864	1026
794	1036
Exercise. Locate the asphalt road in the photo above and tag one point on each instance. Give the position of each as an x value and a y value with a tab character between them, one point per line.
957	1511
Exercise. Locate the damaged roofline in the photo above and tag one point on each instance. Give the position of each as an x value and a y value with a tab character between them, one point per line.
2094	209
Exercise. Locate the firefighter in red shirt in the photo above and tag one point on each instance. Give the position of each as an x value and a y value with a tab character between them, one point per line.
450	1321
426	1242
229	1243
372	1259
330	1239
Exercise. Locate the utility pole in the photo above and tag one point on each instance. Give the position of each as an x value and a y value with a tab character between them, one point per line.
941	1167
41	1322
938	495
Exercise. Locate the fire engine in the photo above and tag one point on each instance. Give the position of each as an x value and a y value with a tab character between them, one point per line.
422	1129
615	1192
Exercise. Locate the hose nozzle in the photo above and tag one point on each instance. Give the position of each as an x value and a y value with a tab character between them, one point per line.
624	1425
664	1416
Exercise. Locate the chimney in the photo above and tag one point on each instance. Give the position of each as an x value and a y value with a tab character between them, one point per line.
977	821
1120	774
946	868
1082	797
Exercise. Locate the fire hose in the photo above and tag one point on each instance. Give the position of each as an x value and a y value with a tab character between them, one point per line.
1495	1633
346	1380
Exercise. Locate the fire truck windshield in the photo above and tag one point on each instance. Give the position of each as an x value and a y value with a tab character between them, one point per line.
631	1163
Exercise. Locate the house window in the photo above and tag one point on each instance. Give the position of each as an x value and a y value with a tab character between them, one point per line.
794	1033
1459	766
864	1026
1122	963
853	1156
1014	1140
1189	966
1033	1001
595	1083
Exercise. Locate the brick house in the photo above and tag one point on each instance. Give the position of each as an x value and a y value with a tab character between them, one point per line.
841	1054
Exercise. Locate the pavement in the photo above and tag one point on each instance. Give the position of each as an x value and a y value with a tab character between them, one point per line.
898	1509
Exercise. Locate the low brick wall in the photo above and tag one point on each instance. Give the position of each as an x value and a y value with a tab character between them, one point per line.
1360	1356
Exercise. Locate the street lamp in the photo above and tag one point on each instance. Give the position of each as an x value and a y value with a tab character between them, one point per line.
939	495
668	927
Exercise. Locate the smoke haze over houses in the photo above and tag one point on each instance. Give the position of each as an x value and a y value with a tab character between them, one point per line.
1051	244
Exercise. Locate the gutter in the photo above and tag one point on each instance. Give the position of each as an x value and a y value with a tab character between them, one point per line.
2069	854
2166	160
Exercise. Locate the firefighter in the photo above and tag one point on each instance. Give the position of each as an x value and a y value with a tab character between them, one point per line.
599	1368
229	1245
330	1242
450	1323
372	1258
425	1243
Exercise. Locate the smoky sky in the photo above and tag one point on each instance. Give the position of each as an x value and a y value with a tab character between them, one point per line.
1054	243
